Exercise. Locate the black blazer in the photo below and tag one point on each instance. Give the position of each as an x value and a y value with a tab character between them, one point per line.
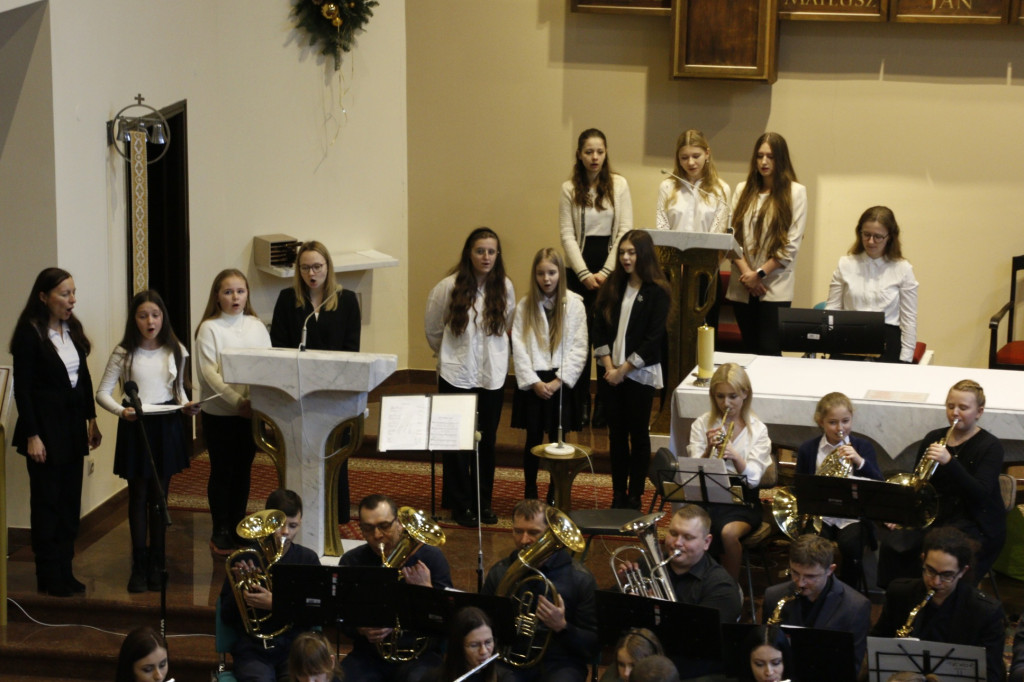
336	329
844	609
645	331
48	405
979	619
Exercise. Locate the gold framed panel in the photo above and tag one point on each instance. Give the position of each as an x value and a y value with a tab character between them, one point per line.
725	40
950	11
834	10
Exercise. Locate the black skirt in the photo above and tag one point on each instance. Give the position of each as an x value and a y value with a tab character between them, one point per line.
166	434
529	409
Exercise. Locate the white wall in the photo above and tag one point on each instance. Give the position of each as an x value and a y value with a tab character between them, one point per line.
262	158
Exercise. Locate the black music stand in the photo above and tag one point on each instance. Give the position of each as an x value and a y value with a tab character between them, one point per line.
363	596
685	630
855	498
702	481
816	652
431	611
949	662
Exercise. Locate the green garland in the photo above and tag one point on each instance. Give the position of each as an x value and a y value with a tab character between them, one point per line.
334	24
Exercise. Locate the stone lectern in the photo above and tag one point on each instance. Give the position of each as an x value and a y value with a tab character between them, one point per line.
690	261
308	415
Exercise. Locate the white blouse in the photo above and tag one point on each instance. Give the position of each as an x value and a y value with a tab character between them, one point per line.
878	285
752	442
158	379
472	359
691	208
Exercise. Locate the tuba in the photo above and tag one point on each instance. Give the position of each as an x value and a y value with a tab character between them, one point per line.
260	527
927	498
525	584
908	627
419	531
784	508
650	579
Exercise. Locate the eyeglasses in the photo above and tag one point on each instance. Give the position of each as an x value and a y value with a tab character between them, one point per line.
872	237
486	644
943	576
314	268
383	526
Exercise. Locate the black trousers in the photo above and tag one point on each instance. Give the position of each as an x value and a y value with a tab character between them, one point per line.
229	441
460	470
629	436
759	325
55	501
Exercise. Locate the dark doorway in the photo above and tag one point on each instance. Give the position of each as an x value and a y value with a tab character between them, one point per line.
168	224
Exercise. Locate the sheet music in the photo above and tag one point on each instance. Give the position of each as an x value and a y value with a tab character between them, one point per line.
403	422
452	421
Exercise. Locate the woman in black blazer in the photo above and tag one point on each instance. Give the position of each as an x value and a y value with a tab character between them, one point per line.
631	356
56	424
334	326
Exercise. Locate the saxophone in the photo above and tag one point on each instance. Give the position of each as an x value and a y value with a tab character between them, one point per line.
776	616
908	627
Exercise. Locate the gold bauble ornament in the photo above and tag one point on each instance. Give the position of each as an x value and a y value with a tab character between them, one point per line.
337	22
330	11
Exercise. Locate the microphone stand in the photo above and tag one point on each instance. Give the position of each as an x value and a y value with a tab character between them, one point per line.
160	505
479	522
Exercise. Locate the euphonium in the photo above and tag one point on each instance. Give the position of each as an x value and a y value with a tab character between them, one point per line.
262	528
530	642
928	499
776	616
419	531
723	439
834	464
650	579
908	627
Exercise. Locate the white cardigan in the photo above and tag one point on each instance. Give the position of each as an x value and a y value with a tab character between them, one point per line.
572	230
781	280
569	357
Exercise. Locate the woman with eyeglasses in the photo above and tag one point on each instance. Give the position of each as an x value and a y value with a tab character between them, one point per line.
875	277
470	643
468	318
329	314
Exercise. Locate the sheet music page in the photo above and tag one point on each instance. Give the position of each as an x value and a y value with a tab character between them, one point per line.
452	421
404	421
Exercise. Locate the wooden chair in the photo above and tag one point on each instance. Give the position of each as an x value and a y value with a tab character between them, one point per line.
1011	354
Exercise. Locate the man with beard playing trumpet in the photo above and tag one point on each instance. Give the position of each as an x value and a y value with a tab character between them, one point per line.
379	524
941	606
815	597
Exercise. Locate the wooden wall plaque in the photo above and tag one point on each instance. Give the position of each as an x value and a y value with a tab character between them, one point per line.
950	11
834	10
732	40
655	8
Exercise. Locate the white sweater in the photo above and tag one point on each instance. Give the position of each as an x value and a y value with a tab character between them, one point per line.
216	335
153	370
531	357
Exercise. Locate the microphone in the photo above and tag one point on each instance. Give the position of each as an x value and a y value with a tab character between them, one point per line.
131	389
719	202
316	309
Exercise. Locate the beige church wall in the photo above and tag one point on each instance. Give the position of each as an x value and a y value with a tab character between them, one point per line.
921	118
263	158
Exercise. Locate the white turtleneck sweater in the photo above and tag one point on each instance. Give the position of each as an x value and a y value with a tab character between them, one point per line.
216	335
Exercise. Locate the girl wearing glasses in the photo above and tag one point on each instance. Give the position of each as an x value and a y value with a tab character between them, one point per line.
469	314
768	218
874	276
594	211
330	316
470	643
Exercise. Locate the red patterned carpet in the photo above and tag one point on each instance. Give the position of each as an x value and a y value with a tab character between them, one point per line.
408	482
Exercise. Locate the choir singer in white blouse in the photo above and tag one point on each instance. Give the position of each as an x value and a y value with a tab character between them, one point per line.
875	277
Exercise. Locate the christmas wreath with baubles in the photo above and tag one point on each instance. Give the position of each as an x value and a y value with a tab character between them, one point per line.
333	24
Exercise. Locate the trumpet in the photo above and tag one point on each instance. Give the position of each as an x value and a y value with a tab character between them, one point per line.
718	452
908	627
419	531
262	528
776	616
520	584
650	579
927	498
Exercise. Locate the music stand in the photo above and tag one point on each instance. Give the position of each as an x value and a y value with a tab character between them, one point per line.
685	630
323	595
854	498
703	481
816	652
431	611
949	661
